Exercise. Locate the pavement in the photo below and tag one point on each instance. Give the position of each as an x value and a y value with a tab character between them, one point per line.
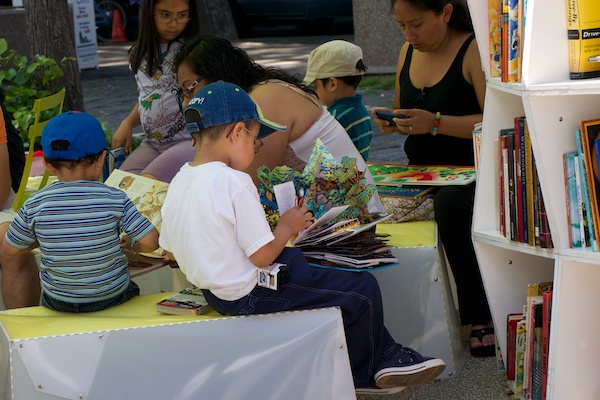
110	91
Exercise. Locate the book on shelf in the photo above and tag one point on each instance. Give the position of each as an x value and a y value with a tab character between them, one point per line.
512	196
536	357
504	196
520	357
534	297
581	205
546	320
495	27
572	200
529	184
511	342
421	175
476	132
584	150
504	41
514	41
145	193
583	25
189	301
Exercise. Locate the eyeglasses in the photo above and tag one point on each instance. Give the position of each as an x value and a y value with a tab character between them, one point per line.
165	19
188	92
258	144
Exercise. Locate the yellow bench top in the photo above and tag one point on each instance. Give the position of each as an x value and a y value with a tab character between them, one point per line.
410	234
32	322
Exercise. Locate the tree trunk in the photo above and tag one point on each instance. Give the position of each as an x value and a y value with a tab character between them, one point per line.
51	33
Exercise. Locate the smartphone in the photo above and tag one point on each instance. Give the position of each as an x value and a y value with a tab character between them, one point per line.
389	116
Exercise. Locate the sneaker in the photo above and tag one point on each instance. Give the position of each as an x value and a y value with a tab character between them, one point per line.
377	390
408	368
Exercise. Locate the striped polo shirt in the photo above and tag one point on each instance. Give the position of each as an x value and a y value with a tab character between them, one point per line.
78	226
356	120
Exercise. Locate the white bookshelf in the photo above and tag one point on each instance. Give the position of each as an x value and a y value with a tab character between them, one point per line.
554	105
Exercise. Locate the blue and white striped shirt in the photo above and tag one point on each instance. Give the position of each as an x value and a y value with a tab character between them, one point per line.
78	226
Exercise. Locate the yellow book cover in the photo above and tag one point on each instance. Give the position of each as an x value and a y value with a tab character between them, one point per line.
495	20
583	28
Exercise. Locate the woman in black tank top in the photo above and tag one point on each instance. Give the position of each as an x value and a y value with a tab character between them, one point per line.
440	89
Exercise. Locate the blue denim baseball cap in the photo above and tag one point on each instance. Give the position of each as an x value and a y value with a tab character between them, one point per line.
222	103
82	131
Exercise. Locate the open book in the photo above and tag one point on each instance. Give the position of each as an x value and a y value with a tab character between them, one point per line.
146	194
186	302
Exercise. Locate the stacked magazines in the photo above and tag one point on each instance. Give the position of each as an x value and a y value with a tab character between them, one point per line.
344	244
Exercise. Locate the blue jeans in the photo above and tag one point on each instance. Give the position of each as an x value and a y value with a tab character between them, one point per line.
356	293
63	306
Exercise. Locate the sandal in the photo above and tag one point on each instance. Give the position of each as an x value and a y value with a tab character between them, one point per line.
483	351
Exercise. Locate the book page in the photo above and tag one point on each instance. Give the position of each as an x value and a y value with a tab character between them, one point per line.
146	194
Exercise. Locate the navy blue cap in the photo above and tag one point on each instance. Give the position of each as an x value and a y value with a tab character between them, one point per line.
83	132
222	103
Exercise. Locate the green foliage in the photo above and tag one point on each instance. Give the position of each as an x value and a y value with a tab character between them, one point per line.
376	83
25	80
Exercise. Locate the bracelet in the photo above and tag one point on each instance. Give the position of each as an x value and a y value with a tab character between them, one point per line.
436	124
133	243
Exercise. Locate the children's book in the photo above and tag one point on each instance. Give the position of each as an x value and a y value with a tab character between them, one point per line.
511	341
585	188
520	358
572	200
583	23
114	159
189	301
495	20
405	192
513	40
421	175
581	206
145	193
546	320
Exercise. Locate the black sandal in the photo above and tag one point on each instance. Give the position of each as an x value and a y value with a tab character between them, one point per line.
483	351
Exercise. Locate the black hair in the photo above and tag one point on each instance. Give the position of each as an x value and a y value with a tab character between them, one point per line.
215	58
214	132
70	164
353	80
148	42
460	19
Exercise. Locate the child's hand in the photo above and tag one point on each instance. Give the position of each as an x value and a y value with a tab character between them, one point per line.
125	242
296	219
122	137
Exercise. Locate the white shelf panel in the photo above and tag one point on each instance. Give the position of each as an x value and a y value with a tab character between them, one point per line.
494	238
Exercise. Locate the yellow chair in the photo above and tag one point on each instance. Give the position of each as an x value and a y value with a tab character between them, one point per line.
52	102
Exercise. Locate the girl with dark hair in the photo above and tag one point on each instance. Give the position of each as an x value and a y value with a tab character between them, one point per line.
167	145
440	88
282	98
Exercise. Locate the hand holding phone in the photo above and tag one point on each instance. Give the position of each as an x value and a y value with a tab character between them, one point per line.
389	116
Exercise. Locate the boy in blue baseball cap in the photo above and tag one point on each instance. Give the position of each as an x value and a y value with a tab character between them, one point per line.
77	222
215	227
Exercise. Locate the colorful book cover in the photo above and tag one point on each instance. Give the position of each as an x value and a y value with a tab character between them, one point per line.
495	18
529	167
407	192
513	41
511	336
536	358
546	321
585	188
476	143
583	24
512	196
572	200
581	206
505	182
520	358
421	175
504	42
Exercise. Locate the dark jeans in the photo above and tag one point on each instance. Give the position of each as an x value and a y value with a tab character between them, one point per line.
63	306
356	293
454	214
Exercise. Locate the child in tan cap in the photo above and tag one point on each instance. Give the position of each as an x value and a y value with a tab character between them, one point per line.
335	69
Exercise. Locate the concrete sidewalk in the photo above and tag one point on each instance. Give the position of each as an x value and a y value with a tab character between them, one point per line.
110	91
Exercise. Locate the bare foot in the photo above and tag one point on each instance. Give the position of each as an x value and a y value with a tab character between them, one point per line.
485	341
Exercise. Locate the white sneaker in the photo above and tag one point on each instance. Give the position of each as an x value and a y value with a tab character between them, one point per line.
378	390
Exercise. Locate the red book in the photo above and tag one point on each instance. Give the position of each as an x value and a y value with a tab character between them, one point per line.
546	314
511	341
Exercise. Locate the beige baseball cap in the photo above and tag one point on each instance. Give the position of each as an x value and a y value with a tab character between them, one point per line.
333	59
